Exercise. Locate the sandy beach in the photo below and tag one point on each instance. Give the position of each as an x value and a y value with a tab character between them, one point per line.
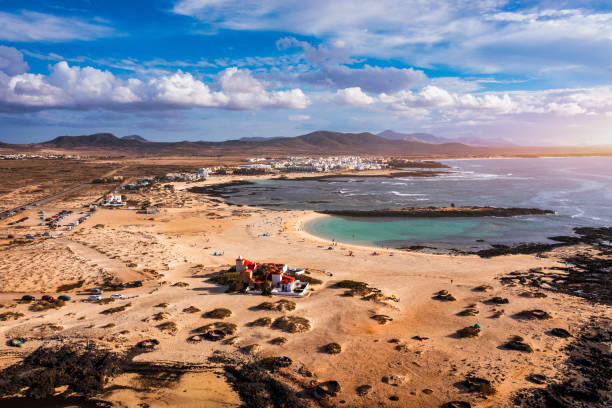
416	359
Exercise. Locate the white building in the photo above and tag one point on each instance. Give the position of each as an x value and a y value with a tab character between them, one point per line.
201	174
204	172
113	200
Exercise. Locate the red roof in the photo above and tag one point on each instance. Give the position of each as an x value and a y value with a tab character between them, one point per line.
287	279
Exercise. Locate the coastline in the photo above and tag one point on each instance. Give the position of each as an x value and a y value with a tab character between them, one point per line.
196	236
297	223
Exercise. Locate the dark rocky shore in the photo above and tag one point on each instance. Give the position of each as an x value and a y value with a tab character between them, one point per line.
411	164
390	175
586	274
220	190
439	212
599	237
587	377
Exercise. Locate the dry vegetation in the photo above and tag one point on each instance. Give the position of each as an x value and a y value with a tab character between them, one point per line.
262	321
534	314
219	313
469	331
282	305
332	348
10	316
42	305
214	331
70	286
168	327
292	324
444	295
117	309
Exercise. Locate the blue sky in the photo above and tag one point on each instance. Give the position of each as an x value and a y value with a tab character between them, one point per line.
528	72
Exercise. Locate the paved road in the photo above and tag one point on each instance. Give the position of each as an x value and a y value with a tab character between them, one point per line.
63	193
72	189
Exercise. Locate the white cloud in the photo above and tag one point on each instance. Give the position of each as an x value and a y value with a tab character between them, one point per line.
455	84
297	118
368	78
32	26
352	96
11	61
459	33
85	88
183	90
595	101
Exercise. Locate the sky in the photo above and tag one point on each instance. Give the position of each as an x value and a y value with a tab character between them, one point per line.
524	72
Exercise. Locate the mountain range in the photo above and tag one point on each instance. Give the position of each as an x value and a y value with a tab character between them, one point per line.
387	143
428	138
319	142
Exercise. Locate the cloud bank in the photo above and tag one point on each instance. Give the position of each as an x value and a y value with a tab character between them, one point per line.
79	88
461	33
28	26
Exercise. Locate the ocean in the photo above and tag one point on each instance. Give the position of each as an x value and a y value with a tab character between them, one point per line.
578	189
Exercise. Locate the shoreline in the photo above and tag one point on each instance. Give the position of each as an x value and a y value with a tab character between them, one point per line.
296	225
197	236
582	236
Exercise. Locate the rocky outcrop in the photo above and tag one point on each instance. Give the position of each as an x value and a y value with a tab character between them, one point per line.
440	212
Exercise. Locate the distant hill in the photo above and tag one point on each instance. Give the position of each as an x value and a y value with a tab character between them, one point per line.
476	141
413	137
101	140
317	143
320	142
428	138
137	138
255	139
362	143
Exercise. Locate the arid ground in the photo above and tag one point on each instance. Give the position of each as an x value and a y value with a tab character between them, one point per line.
392	353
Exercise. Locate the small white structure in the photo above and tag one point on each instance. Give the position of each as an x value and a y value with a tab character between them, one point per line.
113	200
288	284
204	172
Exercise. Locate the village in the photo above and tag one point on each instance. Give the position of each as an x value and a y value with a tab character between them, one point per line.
313	164
24	156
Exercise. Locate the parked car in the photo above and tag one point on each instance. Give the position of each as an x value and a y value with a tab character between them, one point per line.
28	298
10	236
65	298
94	298
117	296
96	291
48	298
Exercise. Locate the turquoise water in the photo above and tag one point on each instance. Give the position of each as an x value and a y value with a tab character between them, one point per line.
578	189
366	231
444	233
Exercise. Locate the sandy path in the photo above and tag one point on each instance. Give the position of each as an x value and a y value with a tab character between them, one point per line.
111	266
